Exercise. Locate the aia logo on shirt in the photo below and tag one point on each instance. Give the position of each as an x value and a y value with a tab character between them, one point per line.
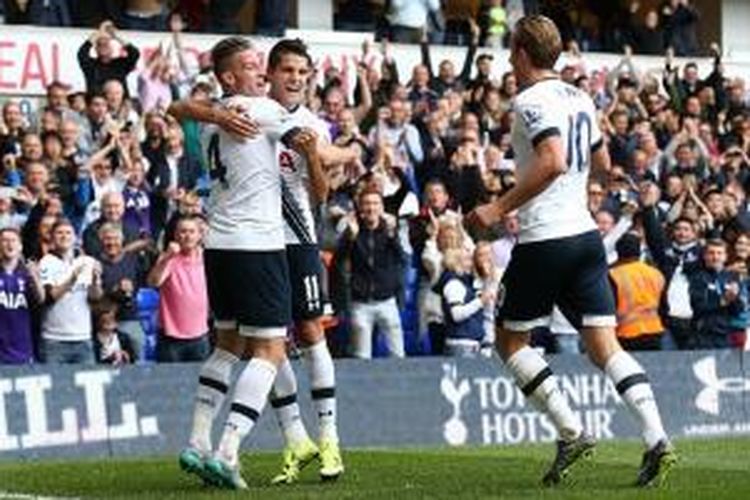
286	161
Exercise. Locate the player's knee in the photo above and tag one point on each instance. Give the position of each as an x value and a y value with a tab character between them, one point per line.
309	332
230	341
601	344
271	350
508	342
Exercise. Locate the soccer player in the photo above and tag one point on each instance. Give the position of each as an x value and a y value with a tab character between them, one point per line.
305	184
246	266
560	258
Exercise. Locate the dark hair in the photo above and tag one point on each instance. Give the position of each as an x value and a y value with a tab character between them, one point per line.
367	191
225	49
60	222
104	306
628	246
293	46
57	84
11	229
90	96
716	242
51	134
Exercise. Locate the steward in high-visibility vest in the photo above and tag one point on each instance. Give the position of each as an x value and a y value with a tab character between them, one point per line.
638	288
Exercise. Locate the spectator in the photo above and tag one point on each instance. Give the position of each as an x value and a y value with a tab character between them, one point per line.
171	178
119	108
271	16
496	23
681	21
69	283
94	132
21	292
463	306
446	79
106	65
111	346
676	257
9	218
37	12
112	212
183	309
394	130
97	178
123	273
137	197
648	38
155	82
719	300
13	129
370	243
408	19
144	15
638	289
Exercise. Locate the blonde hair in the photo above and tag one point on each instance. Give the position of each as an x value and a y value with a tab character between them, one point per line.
453	260
540	39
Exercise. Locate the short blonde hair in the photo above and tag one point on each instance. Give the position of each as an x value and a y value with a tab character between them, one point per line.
540	39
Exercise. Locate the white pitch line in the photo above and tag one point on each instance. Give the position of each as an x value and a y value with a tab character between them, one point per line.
8	495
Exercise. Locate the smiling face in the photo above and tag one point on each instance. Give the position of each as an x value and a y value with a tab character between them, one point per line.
10	245
288	79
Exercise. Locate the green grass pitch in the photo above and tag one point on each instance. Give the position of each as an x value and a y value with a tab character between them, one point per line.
713	469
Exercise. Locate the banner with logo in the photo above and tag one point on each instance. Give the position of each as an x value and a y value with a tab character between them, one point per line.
72	411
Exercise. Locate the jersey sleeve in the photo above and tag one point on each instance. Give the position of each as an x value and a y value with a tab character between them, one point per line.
539	118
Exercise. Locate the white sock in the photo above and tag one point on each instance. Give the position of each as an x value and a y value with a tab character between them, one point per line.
633	385
250	395
284	403
323	388
534	376
213	384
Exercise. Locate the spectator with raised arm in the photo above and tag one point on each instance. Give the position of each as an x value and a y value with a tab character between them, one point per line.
371	246
106	65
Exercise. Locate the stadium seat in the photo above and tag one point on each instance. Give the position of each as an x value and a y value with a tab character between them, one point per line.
147	304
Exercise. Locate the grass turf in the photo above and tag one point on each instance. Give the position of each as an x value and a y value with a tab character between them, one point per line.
718	468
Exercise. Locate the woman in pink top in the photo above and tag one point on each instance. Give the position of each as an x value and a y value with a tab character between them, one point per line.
183	308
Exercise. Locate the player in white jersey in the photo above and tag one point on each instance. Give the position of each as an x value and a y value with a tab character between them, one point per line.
560	257
245	250
304	184
301	179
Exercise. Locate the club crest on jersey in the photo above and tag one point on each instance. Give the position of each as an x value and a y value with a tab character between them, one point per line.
286	160
531	116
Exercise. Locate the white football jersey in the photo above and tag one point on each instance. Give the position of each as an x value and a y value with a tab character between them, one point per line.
299	227
548	108
244	206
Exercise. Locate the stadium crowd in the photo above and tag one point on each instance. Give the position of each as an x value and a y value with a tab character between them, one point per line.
101	205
